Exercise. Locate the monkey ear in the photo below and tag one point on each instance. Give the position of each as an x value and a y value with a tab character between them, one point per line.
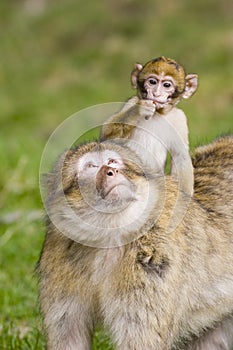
191	82
134	75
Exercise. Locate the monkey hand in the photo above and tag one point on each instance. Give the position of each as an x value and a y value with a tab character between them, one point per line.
147	108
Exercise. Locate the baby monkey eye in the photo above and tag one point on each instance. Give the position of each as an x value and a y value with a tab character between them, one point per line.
167	84
152	81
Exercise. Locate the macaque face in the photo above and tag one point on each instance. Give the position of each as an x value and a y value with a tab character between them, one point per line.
101	178
104	177
159	88
100	195
163	81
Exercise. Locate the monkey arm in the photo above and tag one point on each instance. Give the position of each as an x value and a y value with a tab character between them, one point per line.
172	130
220	337
181	165
182	169
115	126
122	124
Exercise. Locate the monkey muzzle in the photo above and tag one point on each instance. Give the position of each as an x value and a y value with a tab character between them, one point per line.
112	185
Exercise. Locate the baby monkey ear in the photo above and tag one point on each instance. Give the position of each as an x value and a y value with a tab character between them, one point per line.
134	75
191	83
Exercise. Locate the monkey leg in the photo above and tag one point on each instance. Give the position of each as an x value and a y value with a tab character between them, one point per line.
140	322
219	338
134	336
68	326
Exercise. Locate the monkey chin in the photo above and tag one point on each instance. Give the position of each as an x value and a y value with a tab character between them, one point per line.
162	107
121	192
115	199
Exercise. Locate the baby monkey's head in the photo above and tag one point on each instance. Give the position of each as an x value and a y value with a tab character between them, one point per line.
163	81
100	194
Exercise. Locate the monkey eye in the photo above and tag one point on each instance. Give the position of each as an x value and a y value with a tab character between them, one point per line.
110	161
90	165
113	162
152	81
167	84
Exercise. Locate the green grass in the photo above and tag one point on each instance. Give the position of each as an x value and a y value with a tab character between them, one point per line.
20	339
58	57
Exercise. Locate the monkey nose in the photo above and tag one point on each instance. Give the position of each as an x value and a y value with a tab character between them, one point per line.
111	171
106	170
103	180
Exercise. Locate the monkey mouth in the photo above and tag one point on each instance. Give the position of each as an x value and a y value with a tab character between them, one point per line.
120	191
104	193
159	104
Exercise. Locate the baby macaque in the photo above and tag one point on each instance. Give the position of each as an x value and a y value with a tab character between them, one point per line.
158	290
152	119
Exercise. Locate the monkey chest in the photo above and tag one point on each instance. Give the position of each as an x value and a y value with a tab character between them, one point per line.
149	142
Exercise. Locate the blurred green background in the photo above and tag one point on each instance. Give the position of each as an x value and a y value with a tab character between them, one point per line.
60	56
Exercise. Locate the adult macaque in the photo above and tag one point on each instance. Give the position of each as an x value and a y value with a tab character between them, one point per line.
152	119
159	291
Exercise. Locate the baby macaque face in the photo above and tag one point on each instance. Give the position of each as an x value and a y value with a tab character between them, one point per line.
163	81
159	89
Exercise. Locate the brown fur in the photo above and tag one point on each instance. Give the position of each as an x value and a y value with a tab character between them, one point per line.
167	66
152	123
123	123
138	106
162	291
141	105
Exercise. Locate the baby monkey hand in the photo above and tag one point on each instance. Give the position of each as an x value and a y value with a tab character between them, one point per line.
147	108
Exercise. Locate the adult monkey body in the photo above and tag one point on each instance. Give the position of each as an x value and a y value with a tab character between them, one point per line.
152	119
162	291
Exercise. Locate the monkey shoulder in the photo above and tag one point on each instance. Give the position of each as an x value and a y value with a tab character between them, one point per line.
160	126
177	120
176	116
